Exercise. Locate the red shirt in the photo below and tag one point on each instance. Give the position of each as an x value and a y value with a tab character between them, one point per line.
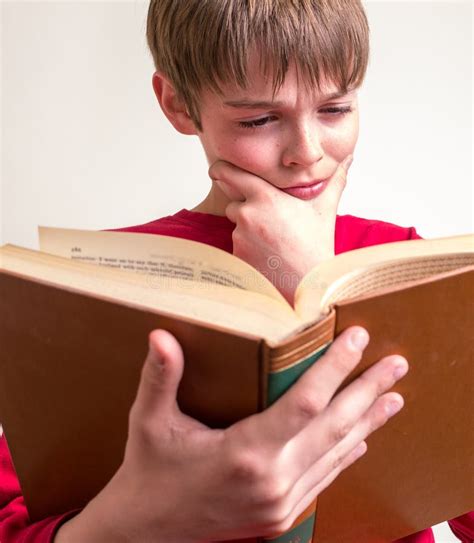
351	233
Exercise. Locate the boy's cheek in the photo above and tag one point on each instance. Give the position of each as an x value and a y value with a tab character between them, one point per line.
262	156
258	159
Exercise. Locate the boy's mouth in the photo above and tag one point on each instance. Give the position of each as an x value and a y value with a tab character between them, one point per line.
307	192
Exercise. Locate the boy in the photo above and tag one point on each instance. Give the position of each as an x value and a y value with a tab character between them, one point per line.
278	171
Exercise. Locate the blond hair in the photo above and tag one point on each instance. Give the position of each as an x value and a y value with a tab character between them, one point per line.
199	44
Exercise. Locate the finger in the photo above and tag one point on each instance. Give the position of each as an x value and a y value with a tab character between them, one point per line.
351	404
236	183
232	211
305	494
313	391
351	414
231	193
160	376
330	197
337	458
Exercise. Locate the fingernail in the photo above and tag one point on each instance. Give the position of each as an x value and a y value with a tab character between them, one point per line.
400	370
393	407
360	339
347	162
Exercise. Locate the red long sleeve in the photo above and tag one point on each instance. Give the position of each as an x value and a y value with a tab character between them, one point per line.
463	527
15	526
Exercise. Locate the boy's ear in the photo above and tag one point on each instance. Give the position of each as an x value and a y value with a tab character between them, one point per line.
173	107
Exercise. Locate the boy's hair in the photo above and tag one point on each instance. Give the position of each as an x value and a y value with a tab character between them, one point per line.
200	44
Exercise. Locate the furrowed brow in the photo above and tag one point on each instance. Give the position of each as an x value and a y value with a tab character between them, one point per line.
262	104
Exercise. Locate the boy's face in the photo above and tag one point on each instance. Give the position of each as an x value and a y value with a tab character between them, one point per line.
298	138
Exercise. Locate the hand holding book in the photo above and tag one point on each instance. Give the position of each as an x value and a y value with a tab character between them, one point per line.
182	481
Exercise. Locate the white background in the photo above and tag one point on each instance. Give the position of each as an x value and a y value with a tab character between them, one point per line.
85	145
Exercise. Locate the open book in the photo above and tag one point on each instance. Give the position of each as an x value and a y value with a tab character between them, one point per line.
75	319
209	285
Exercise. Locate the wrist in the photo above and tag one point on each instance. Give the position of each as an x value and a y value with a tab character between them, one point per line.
108	519
100	520
87	526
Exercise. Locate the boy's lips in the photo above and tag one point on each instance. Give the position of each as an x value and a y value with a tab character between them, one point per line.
308	191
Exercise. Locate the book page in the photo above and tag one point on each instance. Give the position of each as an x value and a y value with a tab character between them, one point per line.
369	269
160	256
217	305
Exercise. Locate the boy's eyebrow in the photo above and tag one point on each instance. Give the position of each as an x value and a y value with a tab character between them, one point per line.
262	104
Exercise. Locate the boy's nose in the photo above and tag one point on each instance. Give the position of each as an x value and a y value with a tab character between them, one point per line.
304	148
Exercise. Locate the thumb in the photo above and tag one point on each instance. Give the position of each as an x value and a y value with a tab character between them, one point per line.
232	194
161	374
329	199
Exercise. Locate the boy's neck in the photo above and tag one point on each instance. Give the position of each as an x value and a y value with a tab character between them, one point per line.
214	203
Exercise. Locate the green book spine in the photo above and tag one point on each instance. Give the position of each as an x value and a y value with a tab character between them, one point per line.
278	383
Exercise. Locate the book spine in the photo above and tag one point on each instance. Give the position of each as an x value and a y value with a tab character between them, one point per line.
279	381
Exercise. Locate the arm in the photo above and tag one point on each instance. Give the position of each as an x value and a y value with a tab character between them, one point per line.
181	481
463	527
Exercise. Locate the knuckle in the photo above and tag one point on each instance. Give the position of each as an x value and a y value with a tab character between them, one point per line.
382	379
236	235
377	384
141	430
336	461
308	406
262	233
341	431
153	374
216	170
379	416
382	384
244	215
272	494
239	242
144	426
247	466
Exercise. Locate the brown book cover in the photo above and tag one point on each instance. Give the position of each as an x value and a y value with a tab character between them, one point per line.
70	364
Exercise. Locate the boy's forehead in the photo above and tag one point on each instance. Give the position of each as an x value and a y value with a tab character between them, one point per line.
260	88
260	85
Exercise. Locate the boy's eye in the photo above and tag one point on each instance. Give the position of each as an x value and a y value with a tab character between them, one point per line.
332	111
255	123
337	110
